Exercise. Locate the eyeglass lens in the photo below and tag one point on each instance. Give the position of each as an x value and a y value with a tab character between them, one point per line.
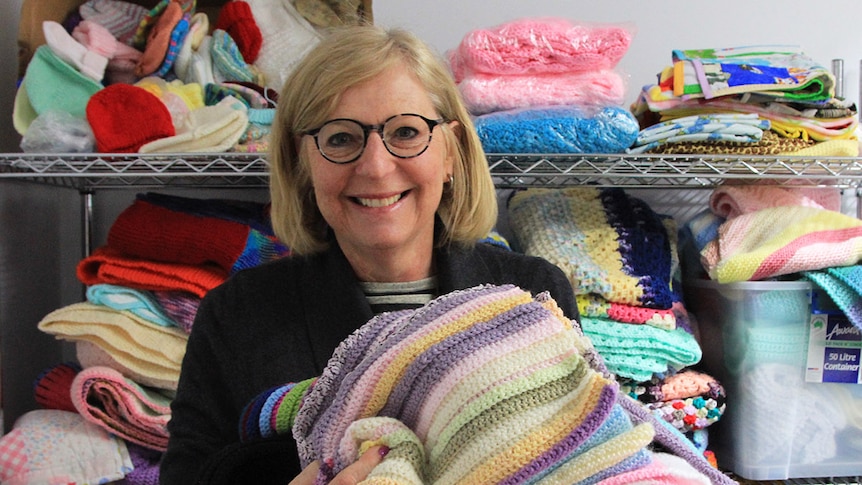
343	140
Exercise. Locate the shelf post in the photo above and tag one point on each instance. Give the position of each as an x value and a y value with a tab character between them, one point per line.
86	222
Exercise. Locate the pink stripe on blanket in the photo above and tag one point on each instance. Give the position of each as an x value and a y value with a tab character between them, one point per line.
815	250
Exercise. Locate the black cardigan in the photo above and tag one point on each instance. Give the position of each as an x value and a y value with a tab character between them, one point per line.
280	322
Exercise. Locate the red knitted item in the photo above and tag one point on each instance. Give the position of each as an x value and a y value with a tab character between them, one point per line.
236	19
52	388
107	265
148	231
125	117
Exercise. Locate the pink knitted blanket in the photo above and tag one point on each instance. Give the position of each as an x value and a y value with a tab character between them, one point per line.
106	398
540	45
484	93
730	201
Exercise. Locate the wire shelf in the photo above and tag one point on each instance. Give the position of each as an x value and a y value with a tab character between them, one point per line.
92	171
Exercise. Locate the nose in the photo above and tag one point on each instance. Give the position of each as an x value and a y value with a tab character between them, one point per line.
375	160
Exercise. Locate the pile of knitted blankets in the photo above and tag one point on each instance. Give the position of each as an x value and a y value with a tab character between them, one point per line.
756	100
485	385
546	85
620	257
143	288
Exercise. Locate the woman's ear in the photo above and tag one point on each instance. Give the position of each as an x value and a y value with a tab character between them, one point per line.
452	148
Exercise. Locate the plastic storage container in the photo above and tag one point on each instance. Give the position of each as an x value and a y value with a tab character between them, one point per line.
755	337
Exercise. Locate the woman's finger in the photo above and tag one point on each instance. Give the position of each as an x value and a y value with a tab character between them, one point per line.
359	470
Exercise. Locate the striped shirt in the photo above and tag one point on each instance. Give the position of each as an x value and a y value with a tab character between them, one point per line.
388	297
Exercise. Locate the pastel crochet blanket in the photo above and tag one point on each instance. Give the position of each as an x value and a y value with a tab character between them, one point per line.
759	232
557	129
485	93
540	45
782	240
608	243
484	385
638	352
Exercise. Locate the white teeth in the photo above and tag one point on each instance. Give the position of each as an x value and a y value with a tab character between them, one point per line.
379	202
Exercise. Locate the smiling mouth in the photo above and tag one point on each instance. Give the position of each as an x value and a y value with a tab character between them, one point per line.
379	202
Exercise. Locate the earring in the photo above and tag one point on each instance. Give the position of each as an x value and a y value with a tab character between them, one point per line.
451	178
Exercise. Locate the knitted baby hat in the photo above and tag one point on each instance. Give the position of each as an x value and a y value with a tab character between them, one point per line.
210	129
287	38
125	117
159	39
88	62
227	60
120	18
236	19
100	40
53	84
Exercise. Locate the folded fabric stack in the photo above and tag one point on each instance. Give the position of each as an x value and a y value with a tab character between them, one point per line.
788	93
621	258
761	232
163	253
689	400
484	385
166	79
546	85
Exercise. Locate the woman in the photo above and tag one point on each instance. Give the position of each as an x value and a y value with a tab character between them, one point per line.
380	187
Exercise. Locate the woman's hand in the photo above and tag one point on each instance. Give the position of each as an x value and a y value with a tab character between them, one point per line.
353	474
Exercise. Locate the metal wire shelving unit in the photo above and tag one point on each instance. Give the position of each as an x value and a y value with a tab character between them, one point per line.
88	173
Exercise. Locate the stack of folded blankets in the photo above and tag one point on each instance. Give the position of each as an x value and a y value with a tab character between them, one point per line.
484	385
621	259
116	77
783	233
756	100
546	85
143	288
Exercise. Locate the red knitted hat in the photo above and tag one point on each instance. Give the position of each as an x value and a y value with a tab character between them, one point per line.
124	117
236	19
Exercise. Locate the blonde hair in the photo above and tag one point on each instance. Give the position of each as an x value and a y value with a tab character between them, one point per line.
345	57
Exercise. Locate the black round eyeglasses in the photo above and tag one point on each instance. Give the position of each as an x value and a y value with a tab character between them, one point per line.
343	140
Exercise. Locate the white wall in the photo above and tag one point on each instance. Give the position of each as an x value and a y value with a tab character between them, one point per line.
826	30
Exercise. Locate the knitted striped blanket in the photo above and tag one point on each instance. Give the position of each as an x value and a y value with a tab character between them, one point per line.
483	385
782	240
609	244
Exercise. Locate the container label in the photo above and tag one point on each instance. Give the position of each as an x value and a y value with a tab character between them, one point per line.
834	350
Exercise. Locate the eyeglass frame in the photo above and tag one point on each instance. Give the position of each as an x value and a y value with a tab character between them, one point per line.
368	129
